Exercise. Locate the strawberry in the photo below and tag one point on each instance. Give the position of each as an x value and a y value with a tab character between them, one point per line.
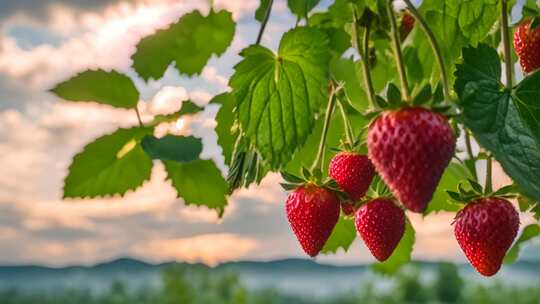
410	149
527	46
407	24
352	172
485	229
313	212
381	224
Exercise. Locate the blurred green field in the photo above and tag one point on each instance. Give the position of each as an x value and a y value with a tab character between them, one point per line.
187	284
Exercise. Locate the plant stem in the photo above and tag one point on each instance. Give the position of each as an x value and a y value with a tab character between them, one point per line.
434	46
265	21
397	52
506	43
317	163
349	136
363	50
139	116
489	168
470	152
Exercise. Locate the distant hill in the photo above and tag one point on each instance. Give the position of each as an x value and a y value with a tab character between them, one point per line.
307	276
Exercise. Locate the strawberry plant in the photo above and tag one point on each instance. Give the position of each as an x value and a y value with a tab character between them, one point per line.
368	113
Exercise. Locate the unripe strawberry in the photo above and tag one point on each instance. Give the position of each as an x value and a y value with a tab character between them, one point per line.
381	224
410	149
313	212
527	46
485	229
353	173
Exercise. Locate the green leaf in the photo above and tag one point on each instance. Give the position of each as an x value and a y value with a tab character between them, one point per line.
536	211
110	88
413	65
498	119
401	255
278	96
348	72
531	9
452	176
174	148
424	96
442	18
455	196
199	183
393	94
261	11
528	233
455	25
112	164
188	108
225	121
291	178
189	43
509	189
476	18
342	236
301	8
306	155
525	203
527	96
476	186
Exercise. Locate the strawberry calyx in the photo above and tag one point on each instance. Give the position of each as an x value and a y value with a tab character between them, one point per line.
426	97
471	191
534	23
311	177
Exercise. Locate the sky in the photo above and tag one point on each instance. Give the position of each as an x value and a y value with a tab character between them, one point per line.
43	42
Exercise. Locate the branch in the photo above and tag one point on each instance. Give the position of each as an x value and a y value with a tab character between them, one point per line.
265	21
397	52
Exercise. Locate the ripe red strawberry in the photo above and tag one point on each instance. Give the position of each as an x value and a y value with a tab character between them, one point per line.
407	24
410	149
353	173
527	45
485	229
381	224
313	212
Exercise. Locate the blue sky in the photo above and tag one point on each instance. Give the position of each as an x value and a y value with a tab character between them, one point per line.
43	42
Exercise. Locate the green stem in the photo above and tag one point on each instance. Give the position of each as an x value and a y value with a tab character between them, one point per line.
470	152
346	124
265	21
363	50
434	46
506	43
489	169
139	117
396	42
317	163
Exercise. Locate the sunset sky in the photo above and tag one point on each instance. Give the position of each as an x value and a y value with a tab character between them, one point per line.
43	42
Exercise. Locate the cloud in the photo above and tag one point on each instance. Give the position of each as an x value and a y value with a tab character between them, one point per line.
39	135
207	248
41	8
